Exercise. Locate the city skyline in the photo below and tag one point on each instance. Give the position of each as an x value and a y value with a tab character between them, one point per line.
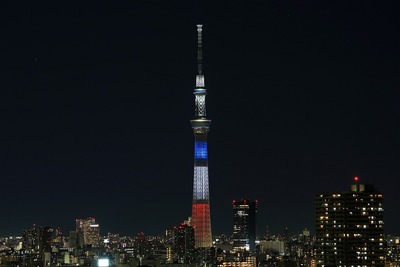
96	102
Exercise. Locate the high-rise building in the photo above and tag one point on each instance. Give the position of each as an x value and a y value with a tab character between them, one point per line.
90	231
201	126
349	227
46	235
75	240
184	251
37	240
30	240
244	224
93	235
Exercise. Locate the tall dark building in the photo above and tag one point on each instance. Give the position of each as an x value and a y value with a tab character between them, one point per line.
184	251
37	240
244	224
201	126
46	236
349	227
30	240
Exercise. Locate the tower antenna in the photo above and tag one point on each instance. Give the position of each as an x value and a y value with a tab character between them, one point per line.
200	91
199	49
200	77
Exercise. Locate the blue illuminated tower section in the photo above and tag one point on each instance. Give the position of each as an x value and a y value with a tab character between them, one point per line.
200	125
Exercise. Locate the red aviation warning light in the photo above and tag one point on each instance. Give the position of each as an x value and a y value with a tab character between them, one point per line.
356	179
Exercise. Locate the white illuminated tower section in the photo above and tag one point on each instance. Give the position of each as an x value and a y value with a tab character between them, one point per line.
201	200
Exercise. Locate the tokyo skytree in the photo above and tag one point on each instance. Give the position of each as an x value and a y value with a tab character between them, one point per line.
201	126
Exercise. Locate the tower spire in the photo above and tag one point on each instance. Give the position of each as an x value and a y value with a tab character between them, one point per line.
199	49
200	77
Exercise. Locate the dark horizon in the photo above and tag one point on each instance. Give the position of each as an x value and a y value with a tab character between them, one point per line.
96	102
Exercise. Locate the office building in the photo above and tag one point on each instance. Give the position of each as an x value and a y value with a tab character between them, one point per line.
90	231
93	235
349	227
184	251
244	225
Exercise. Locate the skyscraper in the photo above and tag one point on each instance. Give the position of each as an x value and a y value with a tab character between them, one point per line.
184	244
37	240
30	240
93	235
244	225
90	231
349	227
200	125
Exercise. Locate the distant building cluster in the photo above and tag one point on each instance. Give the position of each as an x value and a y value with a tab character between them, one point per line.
349	232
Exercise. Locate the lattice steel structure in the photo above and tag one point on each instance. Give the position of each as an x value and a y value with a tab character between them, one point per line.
200	125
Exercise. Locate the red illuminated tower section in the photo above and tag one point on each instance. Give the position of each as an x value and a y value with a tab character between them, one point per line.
200	125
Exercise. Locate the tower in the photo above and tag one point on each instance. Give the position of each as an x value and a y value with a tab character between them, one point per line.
200	125
349	227
244	225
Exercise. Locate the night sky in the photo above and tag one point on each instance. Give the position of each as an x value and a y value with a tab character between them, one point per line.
96	99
